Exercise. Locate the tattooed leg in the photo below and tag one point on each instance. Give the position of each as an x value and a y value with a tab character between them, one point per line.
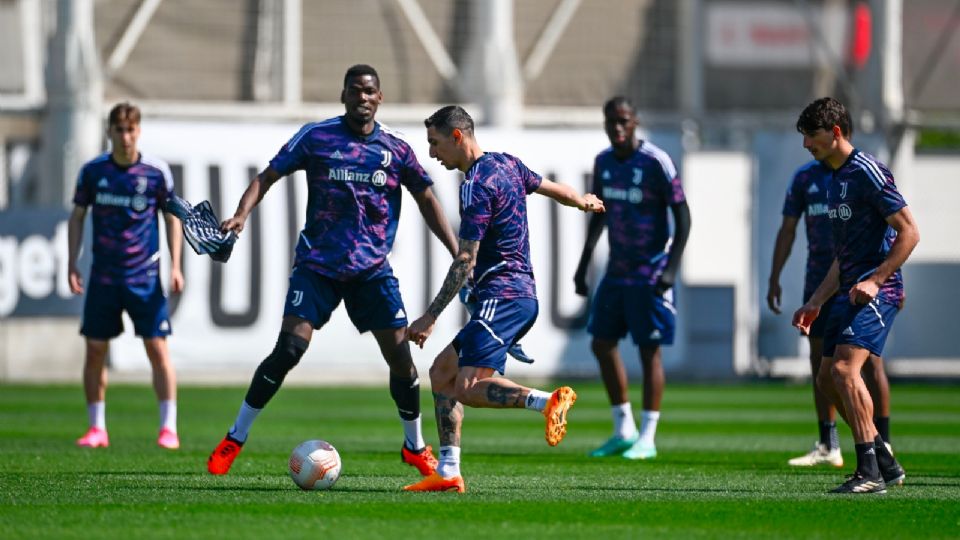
478	388
449	419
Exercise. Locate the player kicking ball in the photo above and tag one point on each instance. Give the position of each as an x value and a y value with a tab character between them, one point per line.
495	250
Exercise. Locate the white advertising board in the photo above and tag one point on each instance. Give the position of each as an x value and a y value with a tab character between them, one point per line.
227	319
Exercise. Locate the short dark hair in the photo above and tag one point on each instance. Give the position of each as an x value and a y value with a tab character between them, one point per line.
615	103
359	70
124	112
448	118
825	113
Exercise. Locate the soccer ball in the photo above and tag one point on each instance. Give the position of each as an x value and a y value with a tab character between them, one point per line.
315	465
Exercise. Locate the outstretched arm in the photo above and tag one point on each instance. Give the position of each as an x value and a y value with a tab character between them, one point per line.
568	196
460	269
681	219
781	252
250	199
432	213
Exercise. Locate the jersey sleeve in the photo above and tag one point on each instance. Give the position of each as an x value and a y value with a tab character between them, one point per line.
882	193
668	181
531	180
793	203
168	185
477	203
412	174
675	193
292	156
83	194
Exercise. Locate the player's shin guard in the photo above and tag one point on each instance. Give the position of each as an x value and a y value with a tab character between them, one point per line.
406	394
271	372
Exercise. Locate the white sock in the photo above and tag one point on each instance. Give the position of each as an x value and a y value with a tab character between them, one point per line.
168	415
97	414
537	400
648	425
449	461
624	426
412	434
245	418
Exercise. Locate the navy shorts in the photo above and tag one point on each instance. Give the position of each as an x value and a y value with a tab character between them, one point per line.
494	326
819	326
372	305
144	302
865	326
650	318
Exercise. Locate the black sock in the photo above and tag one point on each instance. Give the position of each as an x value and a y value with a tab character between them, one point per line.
274	368
828	434
884	457
406	394
263	387
867	460
882	424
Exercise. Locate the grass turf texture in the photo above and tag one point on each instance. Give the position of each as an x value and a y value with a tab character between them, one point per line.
721	473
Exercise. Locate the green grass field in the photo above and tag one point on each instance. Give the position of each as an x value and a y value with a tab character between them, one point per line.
721	472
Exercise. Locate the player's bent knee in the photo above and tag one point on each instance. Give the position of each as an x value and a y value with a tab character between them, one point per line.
286	353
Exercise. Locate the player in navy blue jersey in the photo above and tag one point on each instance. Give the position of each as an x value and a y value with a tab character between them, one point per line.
807	197
355	168
639	184
495	251
873	235
125	189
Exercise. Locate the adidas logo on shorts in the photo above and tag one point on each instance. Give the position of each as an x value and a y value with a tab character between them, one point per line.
848	331
400	314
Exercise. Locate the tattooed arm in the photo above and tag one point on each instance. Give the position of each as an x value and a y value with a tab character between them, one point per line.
462	266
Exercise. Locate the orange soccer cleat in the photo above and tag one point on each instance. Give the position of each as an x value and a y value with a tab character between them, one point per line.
435	482
424	461
556	412
223	455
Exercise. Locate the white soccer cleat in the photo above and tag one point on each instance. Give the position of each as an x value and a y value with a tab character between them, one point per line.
820	455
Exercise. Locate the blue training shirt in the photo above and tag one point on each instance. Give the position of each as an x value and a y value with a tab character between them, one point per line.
125	200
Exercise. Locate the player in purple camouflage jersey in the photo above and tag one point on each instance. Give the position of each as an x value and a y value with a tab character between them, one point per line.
495	250
873	235
807	197
126	190
355	168
639	184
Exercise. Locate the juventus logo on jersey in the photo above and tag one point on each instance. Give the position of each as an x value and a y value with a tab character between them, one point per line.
297	298
387	158
141	184
637	176
843	190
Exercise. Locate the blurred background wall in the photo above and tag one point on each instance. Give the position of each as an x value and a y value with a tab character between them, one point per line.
718	83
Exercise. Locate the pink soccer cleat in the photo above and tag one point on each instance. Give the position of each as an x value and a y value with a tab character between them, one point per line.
94	438
168	439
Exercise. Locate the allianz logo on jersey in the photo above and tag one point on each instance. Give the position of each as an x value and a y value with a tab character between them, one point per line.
343	174
137	202
817	209
844	212
633	195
